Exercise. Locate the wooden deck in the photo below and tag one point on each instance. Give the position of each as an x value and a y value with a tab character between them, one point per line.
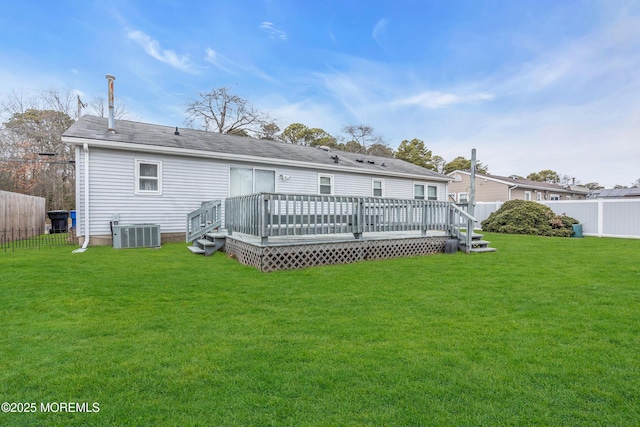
294	252
275	231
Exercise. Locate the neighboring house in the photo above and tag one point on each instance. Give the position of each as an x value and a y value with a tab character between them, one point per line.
146	173
493	188
615	193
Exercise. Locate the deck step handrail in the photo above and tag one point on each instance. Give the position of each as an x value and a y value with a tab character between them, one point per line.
276	214
461	225
206	218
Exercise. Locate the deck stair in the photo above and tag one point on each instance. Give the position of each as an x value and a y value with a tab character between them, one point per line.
477	244
208	244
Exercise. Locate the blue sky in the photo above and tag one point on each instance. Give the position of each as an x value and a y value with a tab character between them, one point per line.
531	84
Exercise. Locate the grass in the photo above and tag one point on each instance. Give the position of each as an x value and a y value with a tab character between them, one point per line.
545	331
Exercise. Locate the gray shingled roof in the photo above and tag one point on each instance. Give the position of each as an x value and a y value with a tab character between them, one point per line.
619	192
527	183
95	128
523	182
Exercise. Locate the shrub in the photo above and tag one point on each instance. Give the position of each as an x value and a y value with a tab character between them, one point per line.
524	217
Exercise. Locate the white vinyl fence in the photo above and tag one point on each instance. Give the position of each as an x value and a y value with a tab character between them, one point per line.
600	217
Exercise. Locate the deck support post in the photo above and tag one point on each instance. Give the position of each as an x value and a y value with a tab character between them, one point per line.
359	219
264	220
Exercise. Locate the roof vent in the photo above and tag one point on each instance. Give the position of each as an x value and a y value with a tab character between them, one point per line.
176	132
335	159
371	162
359	160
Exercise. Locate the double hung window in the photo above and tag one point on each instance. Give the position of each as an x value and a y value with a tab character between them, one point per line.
325	184
148	177
377	188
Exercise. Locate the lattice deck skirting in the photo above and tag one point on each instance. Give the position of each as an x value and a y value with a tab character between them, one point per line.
290	257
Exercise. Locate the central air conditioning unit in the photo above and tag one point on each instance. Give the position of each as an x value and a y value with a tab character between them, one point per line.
136	236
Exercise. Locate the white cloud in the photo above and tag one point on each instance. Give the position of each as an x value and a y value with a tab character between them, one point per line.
436	100
308	112
272	31
153	49
214	58
603	56
379	31
237	69
211	56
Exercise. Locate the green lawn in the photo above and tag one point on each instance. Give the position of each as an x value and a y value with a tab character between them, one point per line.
546	331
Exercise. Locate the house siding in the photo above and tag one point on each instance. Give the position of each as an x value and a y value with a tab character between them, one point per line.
305	181
489	190
188	181
485	190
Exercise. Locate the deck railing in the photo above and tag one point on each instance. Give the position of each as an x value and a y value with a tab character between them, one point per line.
204	219
461	225
269	214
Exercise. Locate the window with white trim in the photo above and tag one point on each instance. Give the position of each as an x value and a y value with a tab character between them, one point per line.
377	188
325	184
264	181
554	197
243	180
432	192
539	196
148	177
527	196
463	197
418	191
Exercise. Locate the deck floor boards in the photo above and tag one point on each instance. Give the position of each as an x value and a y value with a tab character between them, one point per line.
333	238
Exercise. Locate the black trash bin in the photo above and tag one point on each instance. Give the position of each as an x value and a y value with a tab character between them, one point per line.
451	246
59	221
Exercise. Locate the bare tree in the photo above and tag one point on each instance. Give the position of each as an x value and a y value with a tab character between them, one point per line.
221	111
98	106
363	135
62	100
33	158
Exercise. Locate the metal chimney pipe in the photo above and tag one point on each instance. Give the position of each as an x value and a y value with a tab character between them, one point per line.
111	128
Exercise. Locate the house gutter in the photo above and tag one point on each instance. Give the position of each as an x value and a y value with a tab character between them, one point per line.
512	188
85	148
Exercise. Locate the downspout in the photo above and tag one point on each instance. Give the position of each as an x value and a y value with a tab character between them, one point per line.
85	148
511	188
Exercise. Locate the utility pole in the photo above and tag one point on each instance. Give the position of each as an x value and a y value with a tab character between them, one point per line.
472	190
81	105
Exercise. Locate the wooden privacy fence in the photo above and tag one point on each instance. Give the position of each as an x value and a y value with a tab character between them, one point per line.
21	212
270	214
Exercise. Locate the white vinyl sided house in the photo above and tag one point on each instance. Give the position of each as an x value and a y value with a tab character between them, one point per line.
142	173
